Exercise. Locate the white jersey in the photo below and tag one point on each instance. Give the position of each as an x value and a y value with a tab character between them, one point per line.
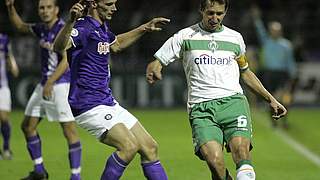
209	60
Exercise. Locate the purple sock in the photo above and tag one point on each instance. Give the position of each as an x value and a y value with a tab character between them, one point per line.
6	131
34	148
114	168
75	160
154	171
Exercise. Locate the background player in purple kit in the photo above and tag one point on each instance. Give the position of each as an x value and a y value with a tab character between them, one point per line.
6	58
54	84
90	97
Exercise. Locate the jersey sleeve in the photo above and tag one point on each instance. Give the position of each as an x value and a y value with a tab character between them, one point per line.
36	29
170	50
78	35
112	37
242	59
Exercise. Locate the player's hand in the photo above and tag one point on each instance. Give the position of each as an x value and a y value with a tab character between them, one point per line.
153	72
77	10
15	71
278	110
155	24
47	90
255	12
9	3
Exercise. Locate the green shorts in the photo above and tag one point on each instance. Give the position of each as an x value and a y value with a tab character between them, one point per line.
219	120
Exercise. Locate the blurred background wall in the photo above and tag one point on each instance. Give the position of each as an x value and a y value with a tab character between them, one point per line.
300	19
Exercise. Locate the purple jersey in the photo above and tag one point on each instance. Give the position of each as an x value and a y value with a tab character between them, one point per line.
49	59
89	64
4	43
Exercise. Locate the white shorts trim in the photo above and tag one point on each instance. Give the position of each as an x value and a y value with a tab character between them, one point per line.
102	118
5	99
56	109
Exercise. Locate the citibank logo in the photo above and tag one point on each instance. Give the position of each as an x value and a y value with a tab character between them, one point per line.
206	59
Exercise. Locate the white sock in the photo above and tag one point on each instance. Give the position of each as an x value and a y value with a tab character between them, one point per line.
246	172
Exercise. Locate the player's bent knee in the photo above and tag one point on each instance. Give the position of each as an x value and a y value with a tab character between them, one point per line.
69	130
129	147
150	151
4	116
241	152
27	127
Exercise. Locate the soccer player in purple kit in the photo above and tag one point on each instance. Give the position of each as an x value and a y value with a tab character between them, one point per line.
88	41
6	58
53	90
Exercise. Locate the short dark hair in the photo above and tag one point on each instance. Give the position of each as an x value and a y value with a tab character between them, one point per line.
55	2
204	3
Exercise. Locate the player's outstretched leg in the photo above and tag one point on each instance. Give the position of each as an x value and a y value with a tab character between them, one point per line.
241	156
213	155
152	168
127	146
6	132
70	133
28	127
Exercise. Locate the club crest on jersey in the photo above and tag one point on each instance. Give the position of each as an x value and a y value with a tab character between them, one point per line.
103	48
213	45
74	32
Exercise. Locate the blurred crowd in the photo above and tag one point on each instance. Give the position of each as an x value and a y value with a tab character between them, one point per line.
298	19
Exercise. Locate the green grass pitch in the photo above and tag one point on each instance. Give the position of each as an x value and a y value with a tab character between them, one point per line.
272	157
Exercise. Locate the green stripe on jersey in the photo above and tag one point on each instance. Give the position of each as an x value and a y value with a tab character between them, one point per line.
189	45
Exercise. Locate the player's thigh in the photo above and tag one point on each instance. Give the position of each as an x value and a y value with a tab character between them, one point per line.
120	137
29	123
145	140
204	131
5	99
204	125
4	115
69	128
212	151
239	144
237	118
101	119
34	108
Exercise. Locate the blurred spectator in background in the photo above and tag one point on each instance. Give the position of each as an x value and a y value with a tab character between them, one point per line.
6	60
277	64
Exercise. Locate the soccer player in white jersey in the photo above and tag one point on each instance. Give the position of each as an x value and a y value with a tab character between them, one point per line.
213	57
7	62
50	96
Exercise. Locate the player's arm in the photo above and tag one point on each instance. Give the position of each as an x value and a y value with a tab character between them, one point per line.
62	67
153	71
15	18
62	41
126	39
250	79
259	26
12	62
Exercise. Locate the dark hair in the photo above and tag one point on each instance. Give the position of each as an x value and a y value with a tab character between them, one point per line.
55	2
204	3
87	4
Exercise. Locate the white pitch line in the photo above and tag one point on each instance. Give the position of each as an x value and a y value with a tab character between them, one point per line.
304	151
299	147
